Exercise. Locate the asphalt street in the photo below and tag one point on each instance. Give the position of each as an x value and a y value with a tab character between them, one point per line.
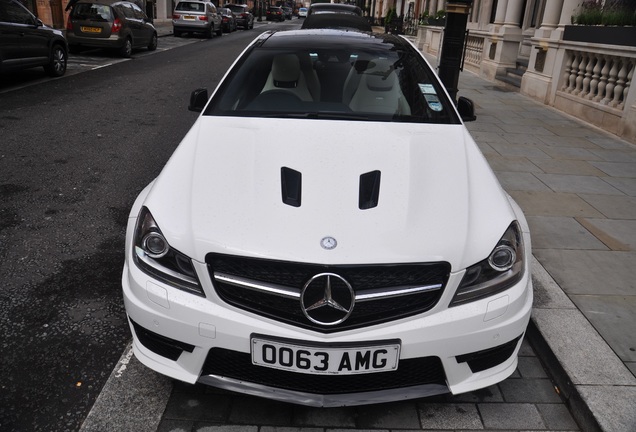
75	152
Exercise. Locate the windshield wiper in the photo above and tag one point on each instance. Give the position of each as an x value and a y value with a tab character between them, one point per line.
331	115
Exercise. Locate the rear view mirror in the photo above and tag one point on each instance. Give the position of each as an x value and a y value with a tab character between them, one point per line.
198	99
466	109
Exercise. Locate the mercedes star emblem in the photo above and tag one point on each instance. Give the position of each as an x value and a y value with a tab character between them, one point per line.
327	299
328	243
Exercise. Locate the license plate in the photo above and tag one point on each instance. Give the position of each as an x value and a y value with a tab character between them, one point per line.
91	29
189	17
325	360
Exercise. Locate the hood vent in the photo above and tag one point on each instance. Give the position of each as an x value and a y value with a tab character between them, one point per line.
291	186
369	190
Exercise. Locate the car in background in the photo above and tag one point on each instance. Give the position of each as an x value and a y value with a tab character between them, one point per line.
342	21
275	13
228	20
244	17
194	16
318	8
110	24
25	42
302	12
288	12
367	254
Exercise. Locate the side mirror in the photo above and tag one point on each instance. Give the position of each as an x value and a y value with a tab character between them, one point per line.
198	99
466	109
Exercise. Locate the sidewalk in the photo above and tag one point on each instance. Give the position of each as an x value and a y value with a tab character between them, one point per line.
577	187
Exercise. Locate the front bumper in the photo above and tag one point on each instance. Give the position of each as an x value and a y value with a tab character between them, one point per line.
458	338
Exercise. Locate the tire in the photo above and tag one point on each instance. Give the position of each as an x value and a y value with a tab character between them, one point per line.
250	26
59	58
219	32
153	42
74	49
177	33
126	49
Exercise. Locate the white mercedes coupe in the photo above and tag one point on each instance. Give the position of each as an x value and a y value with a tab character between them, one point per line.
328	233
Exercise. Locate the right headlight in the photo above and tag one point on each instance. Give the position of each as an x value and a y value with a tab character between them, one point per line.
503	268
154	256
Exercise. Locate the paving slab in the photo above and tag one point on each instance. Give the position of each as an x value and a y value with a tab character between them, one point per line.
564	166
450	416
511	416
612	206
611	315
510	164
625	185
515	181
623	231
548	203
578	184
591	272
552	232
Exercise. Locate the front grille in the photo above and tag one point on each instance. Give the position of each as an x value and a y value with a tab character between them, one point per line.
410	372
362	278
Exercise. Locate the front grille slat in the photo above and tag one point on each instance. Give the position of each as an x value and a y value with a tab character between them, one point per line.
293	276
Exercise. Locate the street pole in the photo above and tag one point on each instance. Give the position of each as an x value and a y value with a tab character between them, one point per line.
450	61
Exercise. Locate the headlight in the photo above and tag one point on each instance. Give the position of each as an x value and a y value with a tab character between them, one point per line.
154	256
503	268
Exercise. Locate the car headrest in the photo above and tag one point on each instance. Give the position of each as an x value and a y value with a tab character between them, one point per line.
286	70
380	75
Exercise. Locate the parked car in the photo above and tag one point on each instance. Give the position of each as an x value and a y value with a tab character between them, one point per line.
376	258
317	8
113	24
228	20
25	42
244	17
337	21
194	16
288	12
302	12
275	13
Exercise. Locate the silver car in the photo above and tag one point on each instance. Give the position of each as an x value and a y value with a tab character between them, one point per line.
193	16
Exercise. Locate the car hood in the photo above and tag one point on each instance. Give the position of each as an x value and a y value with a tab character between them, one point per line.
438	198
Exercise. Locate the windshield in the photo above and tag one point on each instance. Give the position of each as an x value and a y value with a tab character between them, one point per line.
338	81
190	7
95	12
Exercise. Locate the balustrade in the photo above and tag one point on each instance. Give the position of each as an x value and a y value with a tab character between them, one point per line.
600	78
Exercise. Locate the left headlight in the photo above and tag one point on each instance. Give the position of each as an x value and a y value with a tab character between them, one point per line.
154	256
503	268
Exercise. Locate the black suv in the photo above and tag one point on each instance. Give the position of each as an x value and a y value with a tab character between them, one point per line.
275	13
244	17
25	42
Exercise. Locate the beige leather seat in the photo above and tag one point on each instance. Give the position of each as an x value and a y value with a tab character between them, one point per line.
378	90
286	75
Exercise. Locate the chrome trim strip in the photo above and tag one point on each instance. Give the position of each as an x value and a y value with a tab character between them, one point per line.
381	293
284	291
242	282
319	400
